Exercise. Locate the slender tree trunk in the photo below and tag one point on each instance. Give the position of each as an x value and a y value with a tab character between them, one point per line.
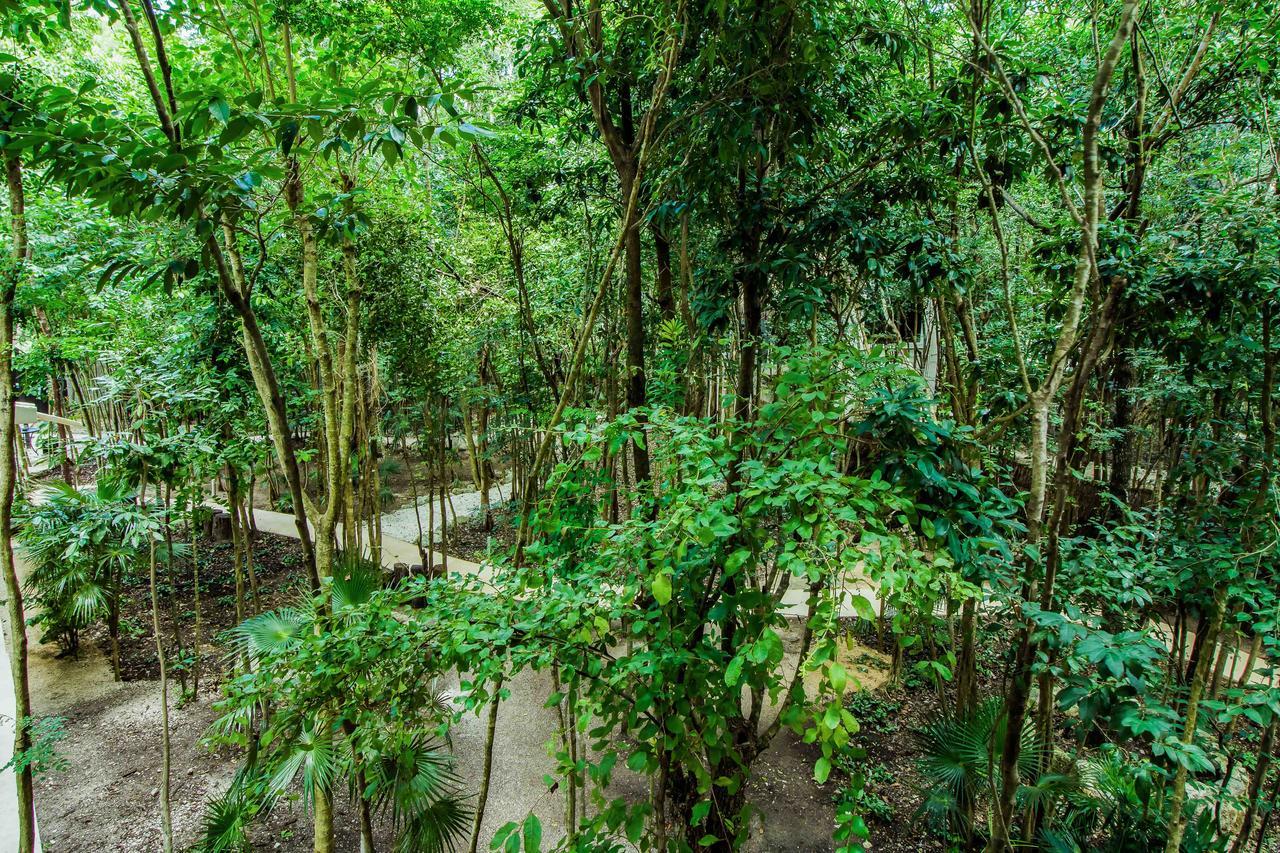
664	291
636	393
1123	378
235	288
26	816
1256	783
966	659
322	840
166	814
411	469
237	548
444	487
113	621
1178	799
1041	400
246	538
482	798
486	468
171	573
195	584
366	816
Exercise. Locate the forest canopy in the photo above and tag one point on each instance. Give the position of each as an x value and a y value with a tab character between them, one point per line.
649	425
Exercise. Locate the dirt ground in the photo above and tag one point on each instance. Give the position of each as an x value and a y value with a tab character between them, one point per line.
280	580
106	798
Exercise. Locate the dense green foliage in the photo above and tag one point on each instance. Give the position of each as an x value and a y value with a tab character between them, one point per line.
762	327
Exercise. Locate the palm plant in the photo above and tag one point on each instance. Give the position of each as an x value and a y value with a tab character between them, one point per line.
330	669
413	782
82	544
228	817
1114	808
961	764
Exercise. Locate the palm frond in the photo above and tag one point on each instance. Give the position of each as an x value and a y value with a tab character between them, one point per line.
167	552
1059	841
1048	787
270	633
312	759
436	827
229	817
235	722
958	749
87	602
354	582
417	773
961	753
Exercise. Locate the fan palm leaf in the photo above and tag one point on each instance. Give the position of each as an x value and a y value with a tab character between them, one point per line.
354	582
270	633
961	754
436	827
229	817
311	758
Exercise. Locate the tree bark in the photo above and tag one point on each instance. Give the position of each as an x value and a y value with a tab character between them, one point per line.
664	292
482	797
322	840
1041	399
166	814
8	475
1177	801
636	386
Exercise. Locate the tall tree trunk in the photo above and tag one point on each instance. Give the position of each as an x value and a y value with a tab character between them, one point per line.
486	468
1178	799
166	814
445	483
636	388
198	641
235	288
322	839
1256	783
1124	454
664	292
237	547
366	815
170	571
8	475
482	797
966	658
1041	400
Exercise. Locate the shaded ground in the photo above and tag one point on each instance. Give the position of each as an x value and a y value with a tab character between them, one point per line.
469	540
889	720
281	578
107	797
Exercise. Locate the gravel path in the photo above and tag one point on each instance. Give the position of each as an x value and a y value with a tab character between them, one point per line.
403	523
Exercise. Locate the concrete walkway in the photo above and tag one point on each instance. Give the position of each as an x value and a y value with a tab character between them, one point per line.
794	603
393	550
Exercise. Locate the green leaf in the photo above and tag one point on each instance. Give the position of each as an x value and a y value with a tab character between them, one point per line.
504	833
862	606
661	587
532	834
733	672
839	677
821	770
220	109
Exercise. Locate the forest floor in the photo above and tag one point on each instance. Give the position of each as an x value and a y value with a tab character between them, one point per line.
106	798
